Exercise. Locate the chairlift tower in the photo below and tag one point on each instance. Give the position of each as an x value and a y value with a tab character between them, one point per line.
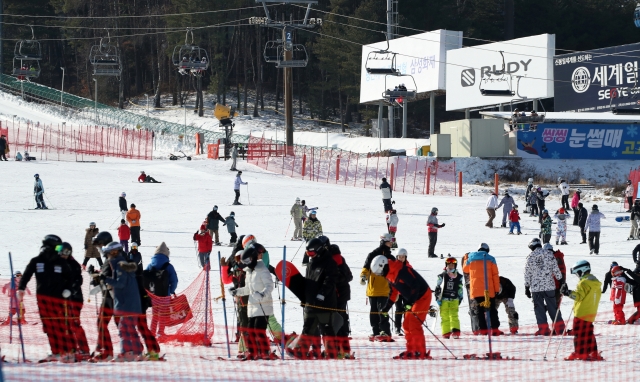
286	54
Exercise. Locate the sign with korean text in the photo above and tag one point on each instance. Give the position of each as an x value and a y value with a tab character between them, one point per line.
580	141
596	80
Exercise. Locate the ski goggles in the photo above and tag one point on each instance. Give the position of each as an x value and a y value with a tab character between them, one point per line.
63	251
451	260
311	253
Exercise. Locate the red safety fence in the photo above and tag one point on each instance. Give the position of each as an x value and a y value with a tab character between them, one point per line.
634	177
413	175
55	141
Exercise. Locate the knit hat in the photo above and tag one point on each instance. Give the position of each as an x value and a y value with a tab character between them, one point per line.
162	248
215	208
92	224
595	207
203	228
121	221
133	205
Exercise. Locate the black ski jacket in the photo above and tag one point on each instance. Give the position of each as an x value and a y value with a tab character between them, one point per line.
53	274
344	276
321	279
582	216
381	250
508	289
123	204
76	280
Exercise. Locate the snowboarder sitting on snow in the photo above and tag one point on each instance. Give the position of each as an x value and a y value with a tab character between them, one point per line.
506	297
561	228
449	295
405	281
585	308
230	222
204	245
144	178
545	226
514	220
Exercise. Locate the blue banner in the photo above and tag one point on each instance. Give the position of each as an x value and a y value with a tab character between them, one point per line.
579	141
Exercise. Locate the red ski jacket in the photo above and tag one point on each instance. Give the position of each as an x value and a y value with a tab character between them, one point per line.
205	243
124	233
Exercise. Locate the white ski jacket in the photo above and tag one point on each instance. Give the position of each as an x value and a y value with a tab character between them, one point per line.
492	202
564	188
258	286
540	270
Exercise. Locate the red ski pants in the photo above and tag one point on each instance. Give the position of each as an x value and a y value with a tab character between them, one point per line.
618	312
412	325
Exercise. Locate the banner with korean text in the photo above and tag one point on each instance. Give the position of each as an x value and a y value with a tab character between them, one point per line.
580	141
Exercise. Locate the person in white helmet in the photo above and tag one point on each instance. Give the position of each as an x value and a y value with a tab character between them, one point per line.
296	215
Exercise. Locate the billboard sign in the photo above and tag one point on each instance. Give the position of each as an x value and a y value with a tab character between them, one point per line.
580	141
527	70
597	80
421	56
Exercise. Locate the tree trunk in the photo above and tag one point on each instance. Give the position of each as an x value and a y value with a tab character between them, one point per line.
245	67
277	87
201	97
255	74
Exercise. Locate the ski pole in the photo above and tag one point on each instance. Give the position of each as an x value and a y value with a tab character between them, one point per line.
114	222
434	336
14	297
296	254
248	196
224	308
554	326
289	226
487	304
563	333
49	201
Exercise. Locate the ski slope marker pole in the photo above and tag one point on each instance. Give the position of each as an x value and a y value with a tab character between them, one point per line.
224	308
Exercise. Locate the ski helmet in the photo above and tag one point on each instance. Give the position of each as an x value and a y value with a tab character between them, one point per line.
17	274
483	247
334	250
134	245
51	241
141	172
535	243
515	206
232	213
64	249
530	180
325	240
297	200
548	247
561	210
113	246
92	224
578	191
215	208
613	264
379	264
386	237
451	260
249	257
316	246
580	268
628	180
401	252
124	194
616	271
102	238
539	189
36	176
248	239
434	210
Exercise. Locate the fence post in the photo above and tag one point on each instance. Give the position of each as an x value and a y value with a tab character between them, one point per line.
496	181
304	164
337	169
391	177
428	177
460	184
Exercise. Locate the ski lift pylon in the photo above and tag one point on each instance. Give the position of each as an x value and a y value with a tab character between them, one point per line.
104	58
26	58
190	58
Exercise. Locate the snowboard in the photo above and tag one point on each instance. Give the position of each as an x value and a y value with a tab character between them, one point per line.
620	219
294	279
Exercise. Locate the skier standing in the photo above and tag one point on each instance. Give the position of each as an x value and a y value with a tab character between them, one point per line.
53	277
234	157
343	296
540	200
236	187
559	256
104	346
306	210
204	245
587	297
593	226
506	297
561	227
507	204
533	204
233	272
432	229
539	272
514	220
492	204
401	256
312	228
38	191
230	222
392	225
408	283
297	215
582	222
3	147
133	217
633	278
564	190
485	284
618	295
160	260
635	216
377	292
213	223
545	226
449	295
124	234
122	203
387	194
527	195
473	304
90	251
628	194
574	205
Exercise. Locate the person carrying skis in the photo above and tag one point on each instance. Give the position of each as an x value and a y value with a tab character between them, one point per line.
561	227
258	286
122	203
582	222
297	215
204	245
53	280
432	230
133	217
449	295
539	271
73	306
628	194
144	178
507	204
312	228
473	304
593	226
586	298
506	297
564	190
343	291
38	191
230	222
321	302
124	234
484	285
377	292
545	226
514	220
574	205
236	188
408	283
387	194
213	223
90	251
492	205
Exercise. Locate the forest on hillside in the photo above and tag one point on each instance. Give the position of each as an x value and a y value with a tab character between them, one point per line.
145	33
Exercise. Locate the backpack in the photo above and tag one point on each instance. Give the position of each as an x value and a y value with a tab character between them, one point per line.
156	281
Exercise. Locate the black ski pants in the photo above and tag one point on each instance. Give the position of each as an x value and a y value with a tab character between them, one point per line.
379	322
433	239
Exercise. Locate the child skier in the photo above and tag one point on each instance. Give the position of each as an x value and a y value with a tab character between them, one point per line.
124	234
533	202
545	226
514	220
392	225
587	297
618	295
230	222
10	290
561	228
205	245
449	296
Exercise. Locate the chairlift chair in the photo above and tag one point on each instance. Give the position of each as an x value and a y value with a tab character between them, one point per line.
104	58
409	94
25	69
270	52
299	57
26	58
382	55
28	50
498	92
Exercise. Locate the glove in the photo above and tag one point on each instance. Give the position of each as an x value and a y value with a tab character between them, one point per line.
260	294
527	292
442	225
363	280
320	297
223	262
407	307
564	289
393	202
20	295
500	291
438	291
233	291
432	311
